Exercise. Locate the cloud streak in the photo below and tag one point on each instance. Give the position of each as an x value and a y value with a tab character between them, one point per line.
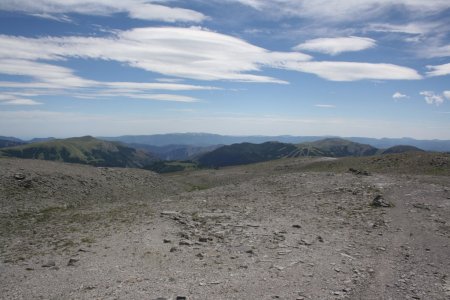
353	71
136	9
192	53
334	46
440	70
349	10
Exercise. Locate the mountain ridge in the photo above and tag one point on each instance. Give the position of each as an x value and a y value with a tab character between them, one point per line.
83	150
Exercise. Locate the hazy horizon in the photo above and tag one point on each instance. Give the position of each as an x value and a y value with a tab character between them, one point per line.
238	67
26	138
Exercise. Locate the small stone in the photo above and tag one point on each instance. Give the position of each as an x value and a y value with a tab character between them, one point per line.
296	226
305	242
167	241
202	239
49	264
250	251
320	239
169	213
379	201
185	243
72	262
173	249
181	298
19	176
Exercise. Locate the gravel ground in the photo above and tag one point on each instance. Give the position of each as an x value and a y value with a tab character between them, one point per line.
250	232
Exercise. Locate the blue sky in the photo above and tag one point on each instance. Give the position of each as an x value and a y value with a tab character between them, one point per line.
375	68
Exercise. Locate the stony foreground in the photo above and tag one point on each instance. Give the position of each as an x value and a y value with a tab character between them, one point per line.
78	232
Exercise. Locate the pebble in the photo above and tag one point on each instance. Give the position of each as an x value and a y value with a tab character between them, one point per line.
72	262
49	264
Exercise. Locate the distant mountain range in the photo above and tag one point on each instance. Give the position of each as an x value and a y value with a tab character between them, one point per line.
246	153
169	158
83	150
206	139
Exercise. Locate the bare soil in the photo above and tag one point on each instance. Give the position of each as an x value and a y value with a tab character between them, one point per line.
264	231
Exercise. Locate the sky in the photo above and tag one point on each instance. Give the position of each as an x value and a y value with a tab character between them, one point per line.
373	68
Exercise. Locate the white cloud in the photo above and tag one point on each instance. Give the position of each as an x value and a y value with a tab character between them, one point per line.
413	28
337	45
447	94
325	105
432	98
439	70
193	53
349	10
431	50
6	99
56	80
399	96
352	71
137	9
179	52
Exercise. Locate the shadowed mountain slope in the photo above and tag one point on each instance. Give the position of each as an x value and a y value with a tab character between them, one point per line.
401	149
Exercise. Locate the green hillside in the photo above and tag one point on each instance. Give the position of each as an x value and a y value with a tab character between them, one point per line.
83	150
246	153
335	147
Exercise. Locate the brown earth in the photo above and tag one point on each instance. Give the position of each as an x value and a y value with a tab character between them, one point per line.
263	231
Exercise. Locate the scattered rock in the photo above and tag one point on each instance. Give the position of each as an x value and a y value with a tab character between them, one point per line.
167	241
358	172
26	183
169	213
19	176
296	226
203	239
49	264
421	206
379	201
305	242
72	262
185	243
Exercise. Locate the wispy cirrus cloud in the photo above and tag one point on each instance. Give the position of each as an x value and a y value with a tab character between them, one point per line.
337	10
353	71
54	80
325	105
334	46
192	53
136	9
439	70
11	99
